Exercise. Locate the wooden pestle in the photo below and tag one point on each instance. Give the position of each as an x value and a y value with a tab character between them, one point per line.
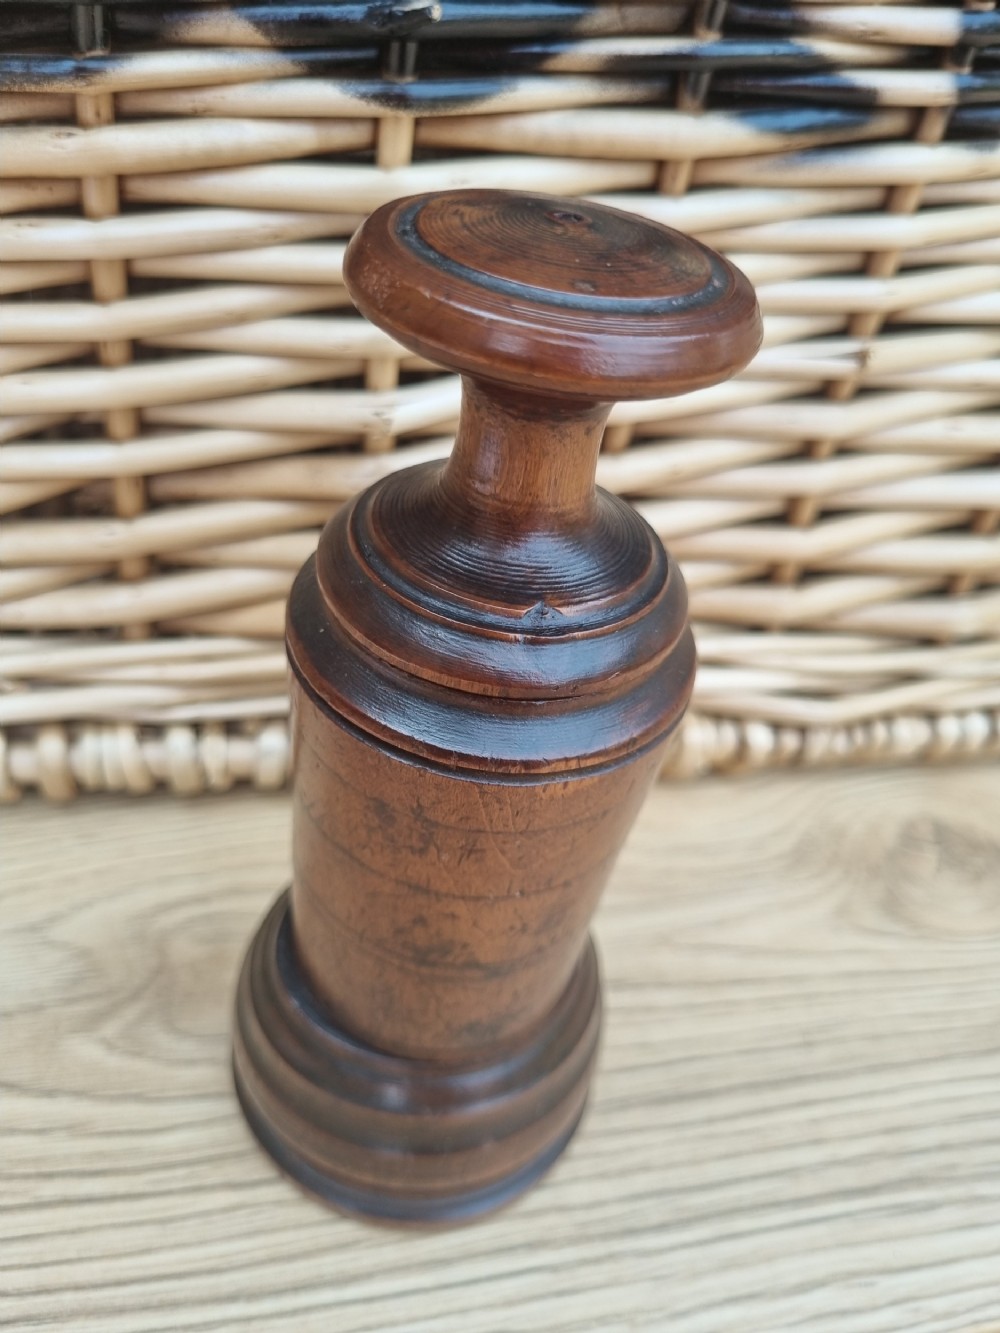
487	656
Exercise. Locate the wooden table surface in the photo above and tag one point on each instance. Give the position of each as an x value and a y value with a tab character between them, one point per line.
796	1123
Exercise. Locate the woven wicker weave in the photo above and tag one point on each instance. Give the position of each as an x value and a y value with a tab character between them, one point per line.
187	391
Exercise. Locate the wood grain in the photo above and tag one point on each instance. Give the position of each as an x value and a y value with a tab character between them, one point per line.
794	1125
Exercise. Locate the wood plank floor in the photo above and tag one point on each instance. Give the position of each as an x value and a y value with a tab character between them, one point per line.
796	1123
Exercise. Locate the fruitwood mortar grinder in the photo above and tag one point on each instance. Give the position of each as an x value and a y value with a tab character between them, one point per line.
487	658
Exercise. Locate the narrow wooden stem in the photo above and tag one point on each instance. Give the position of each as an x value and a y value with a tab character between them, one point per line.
531	460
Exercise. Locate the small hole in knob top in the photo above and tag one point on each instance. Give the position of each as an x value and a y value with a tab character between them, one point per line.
561	215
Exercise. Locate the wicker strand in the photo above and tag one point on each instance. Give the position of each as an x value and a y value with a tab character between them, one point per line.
62	762
394	149
109	283
865	325
675	175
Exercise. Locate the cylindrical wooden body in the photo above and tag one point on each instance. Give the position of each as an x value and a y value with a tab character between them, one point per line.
435	913
456	815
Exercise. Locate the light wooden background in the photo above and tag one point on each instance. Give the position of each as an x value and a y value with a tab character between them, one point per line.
796	1123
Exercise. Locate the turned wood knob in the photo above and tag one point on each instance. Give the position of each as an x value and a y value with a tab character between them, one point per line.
487	658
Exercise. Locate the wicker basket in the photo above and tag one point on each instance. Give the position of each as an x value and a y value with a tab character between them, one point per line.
187	392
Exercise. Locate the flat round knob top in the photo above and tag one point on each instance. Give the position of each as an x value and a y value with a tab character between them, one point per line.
561	296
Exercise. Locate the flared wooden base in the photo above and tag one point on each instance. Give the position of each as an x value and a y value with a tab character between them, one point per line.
396	1139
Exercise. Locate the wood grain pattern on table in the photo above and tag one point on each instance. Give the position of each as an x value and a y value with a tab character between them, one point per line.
795	1125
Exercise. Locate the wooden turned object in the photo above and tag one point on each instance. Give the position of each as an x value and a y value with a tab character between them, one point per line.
487	657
